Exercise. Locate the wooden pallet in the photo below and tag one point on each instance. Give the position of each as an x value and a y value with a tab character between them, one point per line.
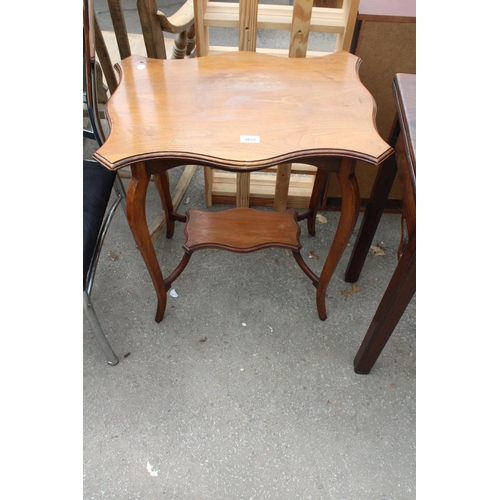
262	191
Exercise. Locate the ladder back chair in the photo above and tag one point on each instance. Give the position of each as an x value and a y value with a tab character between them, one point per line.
278	188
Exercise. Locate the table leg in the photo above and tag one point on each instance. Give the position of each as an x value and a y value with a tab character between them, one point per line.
162	182
348	216
319	187
392	306
136	215
373	213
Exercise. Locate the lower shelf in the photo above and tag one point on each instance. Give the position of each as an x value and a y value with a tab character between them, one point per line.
241	230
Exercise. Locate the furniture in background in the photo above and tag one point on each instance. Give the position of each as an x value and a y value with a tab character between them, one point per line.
241	112
278	188
385	40
402	286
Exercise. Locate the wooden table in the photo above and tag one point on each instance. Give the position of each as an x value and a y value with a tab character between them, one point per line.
241	112
402	286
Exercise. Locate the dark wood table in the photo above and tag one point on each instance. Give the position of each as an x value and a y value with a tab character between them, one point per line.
402	286
241	112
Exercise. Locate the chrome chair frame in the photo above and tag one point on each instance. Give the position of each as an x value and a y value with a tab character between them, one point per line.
96	132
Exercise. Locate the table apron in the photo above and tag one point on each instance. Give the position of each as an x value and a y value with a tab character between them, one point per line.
330	164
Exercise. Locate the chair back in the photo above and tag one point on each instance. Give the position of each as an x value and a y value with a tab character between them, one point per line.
92	72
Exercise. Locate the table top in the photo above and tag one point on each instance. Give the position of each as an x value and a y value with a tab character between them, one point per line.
241	111
405	93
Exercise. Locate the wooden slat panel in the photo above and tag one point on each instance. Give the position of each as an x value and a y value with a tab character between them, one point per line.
299	34
259	184
247	25
220	49
350	9
201	28
209	175
262	190
299	201
276	17
297	168
282	185
243	190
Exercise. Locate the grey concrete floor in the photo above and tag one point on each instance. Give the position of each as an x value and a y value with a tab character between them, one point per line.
241	391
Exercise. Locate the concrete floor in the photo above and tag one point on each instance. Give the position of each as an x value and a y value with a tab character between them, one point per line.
241	391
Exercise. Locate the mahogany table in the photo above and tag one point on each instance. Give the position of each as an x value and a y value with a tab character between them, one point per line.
402	286
241	112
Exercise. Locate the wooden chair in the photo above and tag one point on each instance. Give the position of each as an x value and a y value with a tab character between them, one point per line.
111	47
154	21
277	189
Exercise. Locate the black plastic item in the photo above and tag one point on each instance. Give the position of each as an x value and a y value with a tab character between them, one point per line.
97	186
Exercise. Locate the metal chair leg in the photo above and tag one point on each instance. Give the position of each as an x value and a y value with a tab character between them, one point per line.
102	234
120	192
97	329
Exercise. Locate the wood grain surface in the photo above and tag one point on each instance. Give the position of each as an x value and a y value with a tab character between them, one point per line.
241	111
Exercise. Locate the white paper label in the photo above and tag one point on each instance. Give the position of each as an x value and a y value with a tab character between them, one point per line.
250	139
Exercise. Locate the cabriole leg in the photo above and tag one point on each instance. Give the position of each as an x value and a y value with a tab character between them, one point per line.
136	214
348	216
